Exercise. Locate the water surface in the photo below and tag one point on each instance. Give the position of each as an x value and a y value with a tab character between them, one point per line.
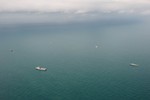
77	70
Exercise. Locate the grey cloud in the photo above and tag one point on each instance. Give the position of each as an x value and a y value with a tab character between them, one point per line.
76	6
65	11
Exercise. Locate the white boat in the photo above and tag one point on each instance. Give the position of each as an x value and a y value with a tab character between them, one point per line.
96	46
40	68
134	65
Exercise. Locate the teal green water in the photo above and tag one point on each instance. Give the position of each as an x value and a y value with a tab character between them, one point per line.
77	70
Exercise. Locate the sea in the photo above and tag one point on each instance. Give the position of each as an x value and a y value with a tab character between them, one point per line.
84	61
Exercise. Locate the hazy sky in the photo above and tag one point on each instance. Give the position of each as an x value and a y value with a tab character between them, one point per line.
68	10
76	6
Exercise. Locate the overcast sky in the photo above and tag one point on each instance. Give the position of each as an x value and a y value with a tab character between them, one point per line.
70	9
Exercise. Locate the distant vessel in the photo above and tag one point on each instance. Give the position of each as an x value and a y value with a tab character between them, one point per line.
41	68
11	50
96	46
134	65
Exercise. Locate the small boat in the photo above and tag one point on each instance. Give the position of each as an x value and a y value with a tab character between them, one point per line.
11	50
96	46
134	65
40	68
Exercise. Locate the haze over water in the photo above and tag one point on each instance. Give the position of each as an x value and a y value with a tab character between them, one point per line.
77	70
86	46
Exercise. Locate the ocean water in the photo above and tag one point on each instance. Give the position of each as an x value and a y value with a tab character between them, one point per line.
77	69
